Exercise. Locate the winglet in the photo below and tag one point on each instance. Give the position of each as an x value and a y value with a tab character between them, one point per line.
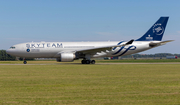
130	42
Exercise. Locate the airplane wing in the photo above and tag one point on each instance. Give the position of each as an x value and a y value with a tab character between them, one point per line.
153	44
104	48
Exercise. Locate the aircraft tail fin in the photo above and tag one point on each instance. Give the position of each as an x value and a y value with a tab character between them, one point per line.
155	33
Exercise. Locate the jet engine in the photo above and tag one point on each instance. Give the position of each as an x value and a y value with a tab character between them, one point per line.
66	57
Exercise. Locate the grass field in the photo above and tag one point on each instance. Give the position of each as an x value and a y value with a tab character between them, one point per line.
73	83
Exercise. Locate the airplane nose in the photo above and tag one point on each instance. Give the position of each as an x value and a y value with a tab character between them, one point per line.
7	51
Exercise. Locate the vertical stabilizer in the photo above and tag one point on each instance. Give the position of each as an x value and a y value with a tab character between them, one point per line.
155	33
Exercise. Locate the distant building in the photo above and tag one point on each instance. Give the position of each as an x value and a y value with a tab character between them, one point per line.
171	57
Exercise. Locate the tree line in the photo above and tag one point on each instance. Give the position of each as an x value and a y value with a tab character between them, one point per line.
158	55
6	57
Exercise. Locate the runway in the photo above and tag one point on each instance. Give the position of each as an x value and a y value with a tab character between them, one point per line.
98	63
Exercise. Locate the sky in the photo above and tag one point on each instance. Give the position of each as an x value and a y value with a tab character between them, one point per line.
87	20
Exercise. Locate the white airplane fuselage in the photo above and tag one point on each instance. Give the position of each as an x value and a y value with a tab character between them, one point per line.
53	49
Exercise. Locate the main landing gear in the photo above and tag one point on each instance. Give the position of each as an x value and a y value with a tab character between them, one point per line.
88	61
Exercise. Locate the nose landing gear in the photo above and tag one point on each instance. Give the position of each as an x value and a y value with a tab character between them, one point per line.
24	61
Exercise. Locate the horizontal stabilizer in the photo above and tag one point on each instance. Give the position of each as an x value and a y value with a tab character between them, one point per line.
153	44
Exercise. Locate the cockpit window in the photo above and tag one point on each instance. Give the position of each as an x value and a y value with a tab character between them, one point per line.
12	47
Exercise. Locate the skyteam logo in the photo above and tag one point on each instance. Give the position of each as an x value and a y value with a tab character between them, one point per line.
158	29
28	50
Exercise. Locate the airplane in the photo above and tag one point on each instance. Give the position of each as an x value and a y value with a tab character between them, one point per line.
70	51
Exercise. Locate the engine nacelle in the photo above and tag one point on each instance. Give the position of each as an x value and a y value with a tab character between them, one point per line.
66	57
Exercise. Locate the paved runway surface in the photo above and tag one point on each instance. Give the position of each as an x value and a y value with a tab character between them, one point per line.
96	63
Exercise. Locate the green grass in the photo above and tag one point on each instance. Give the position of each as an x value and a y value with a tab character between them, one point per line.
90	84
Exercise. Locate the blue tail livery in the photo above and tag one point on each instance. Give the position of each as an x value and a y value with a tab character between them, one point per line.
155	33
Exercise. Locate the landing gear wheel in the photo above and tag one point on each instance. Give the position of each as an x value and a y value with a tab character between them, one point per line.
83	61
25	62
93	62
88	61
